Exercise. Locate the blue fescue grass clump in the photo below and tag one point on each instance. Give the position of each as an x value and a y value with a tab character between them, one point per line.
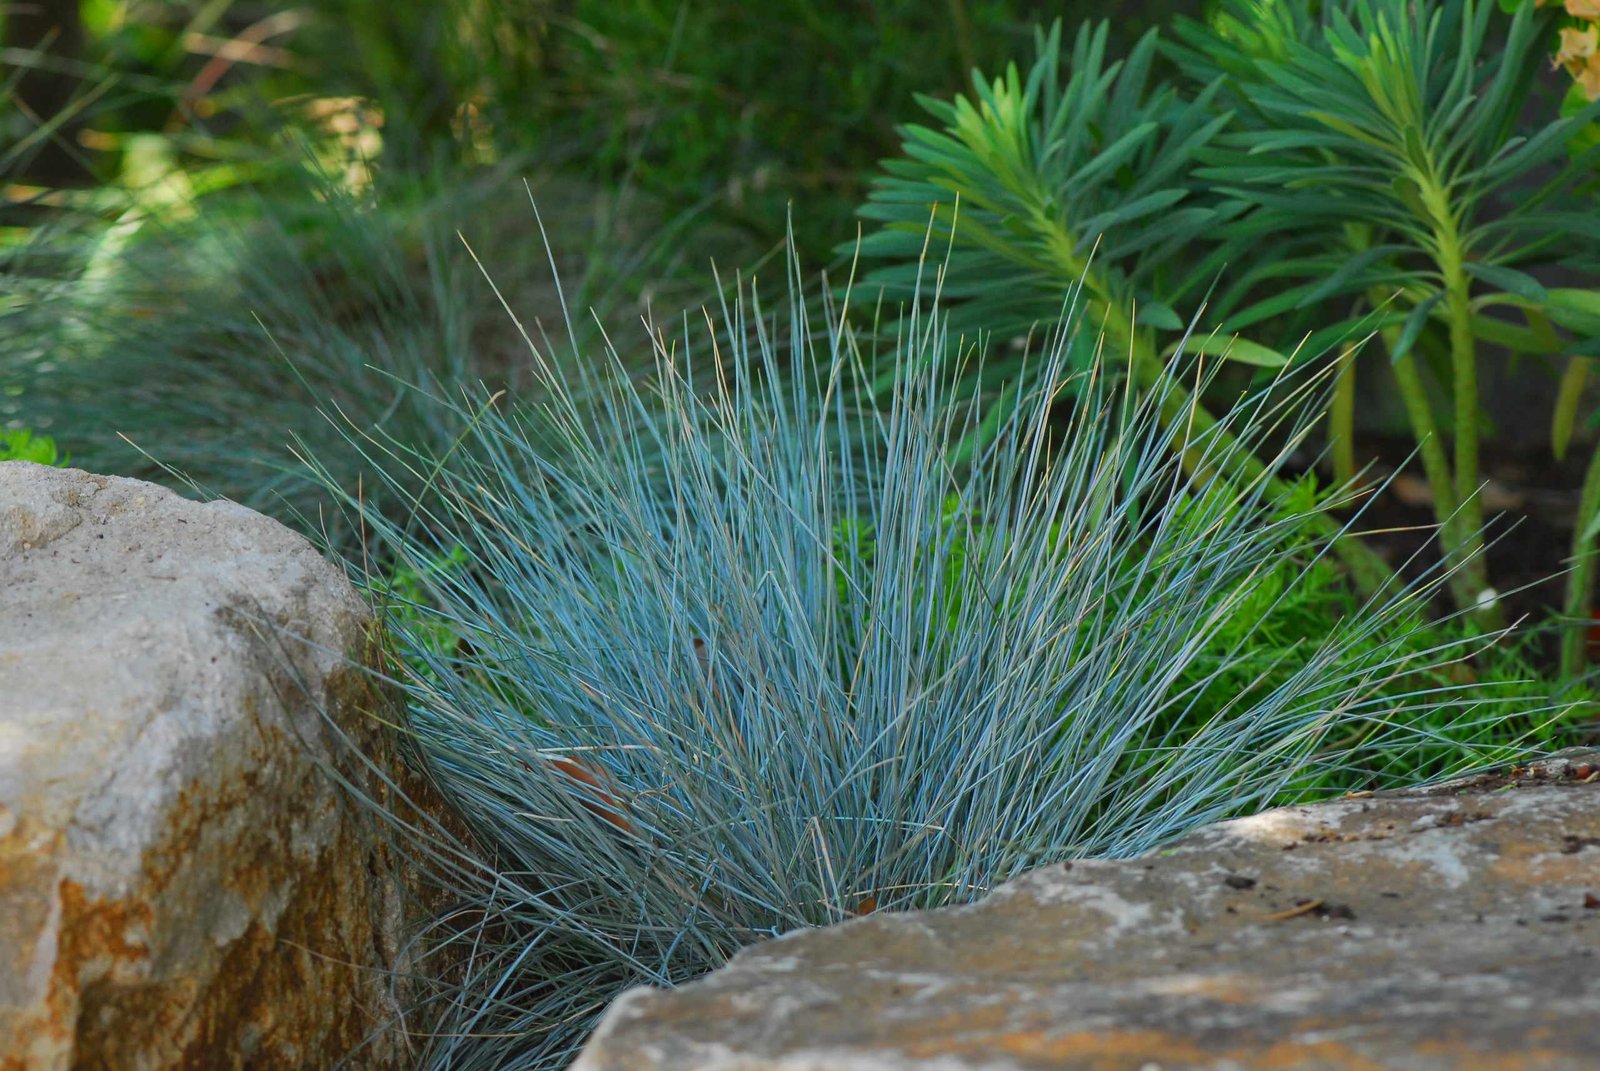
708	655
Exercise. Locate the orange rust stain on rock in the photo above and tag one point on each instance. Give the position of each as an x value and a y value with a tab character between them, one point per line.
1118	1050
982	1021
300	993
1096	1050
1295	1055
1542	863
102	946
101	934
302	985
1464	1057
198	808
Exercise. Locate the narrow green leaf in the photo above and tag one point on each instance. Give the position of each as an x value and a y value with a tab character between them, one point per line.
1509	279
1233	348
1350	331
1416	151
1112	156
1577	300
1155	314
1347	128
1575	309
1142	206
1410	196
1569	224
1518	339
1355	266
1413	327
1568	395
1544	146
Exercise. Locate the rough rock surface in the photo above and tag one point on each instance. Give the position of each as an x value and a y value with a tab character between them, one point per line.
181	884
1449	928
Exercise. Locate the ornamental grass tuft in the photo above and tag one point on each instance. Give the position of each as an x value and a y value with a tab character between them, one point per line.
708	655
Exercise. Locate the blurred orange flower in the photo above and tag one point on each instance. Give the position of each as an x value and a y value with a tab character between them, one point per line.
1580	55
1578	9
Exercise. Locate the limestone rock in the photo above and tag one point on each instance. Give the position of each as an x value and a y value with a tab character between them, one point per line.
181	883
1451	928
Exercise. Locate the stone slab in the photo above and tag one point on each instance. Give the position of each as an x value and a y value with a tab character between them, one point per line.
1454	928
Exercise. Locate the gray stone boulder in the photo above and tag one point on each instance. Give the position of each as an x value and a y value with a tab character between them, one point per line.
1443	929
181	882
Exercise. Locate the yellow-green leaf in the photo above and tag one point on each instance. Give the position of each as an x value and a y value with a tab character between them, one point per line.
1568	396
1233	348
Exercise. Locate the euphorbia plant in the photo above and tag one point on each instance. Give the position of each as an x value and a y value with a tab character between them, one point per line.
1079	174
1387	134
1359	167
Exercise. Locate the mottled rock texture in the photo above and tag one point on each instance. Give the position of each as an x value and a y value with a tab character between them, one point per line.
181	883
1450	928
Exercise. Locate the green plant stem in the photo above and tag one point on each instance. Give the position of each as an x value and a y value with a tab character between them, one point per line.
961	22
1460	513
1435	466
1466	547
1342	419
1580	581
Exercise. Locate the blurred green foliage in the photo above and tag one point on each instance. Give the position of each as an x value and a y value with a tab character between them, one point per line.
1317	173
23	445
748	107
219	215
